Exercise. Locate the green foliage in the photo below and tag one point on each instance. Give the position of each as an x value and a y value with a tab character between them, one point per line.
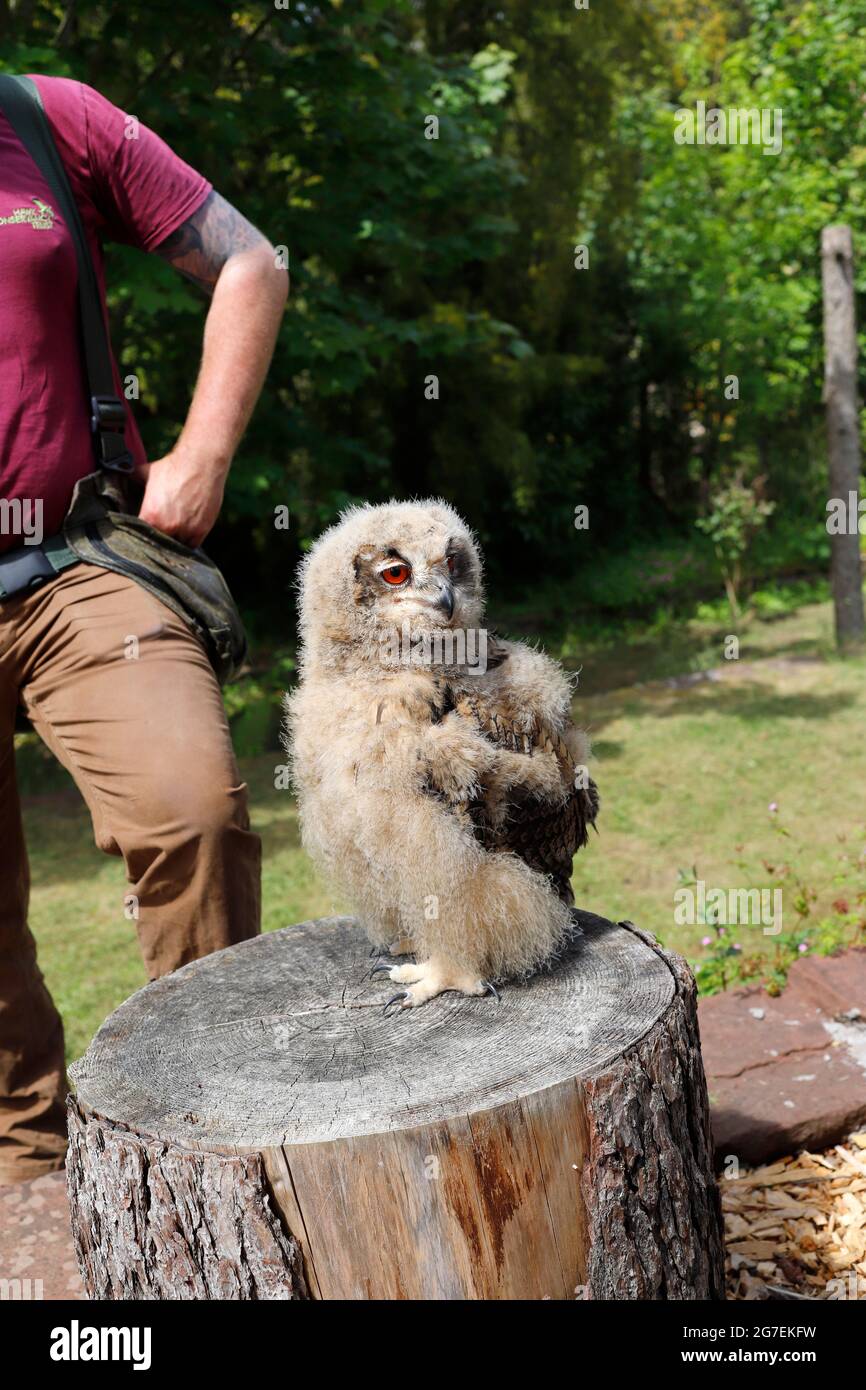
725	253
454	258
726	963
737	513
254	703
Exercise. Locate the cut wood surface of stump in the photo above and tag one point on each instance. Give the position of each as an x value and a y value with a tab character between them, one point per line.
253	1127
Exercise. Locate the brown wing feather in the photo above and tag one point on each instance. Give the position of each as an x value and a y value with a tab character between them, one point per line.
545	837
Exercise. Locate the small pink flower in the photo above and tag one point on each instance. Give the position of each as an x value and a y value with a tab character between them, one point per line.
706	941
773	807
737	946
803	946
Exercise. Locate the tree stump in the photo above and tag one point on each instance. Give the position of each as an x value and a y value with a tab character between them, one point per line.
253	1127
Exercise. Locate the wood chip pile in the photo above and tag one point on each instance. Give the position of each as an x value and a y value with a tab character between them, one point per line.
799	1226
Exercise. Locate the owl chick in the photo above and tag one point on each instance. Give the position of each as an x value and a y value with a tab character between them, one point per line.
439	778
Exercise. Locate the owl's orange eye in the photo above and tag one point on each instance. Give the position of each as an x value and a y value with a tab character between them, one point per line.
396	574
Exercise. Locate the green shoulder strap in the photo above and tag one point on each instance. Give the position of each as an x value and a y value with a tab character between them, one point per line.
22	106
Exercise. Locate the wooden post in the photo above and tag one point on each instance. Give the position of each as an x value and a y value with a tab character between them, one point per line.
253	1127
843	427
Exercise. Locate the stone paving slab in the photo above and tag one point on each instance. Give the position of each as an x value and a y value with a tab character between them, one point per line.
36	1242
788	1073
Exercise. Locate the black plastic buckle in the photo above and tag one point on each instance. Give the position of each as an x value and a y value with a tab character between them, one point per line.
24	568
108	421
108	413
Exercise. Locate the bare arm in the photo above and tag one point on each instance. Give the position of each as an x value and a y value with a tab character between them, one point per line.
218	249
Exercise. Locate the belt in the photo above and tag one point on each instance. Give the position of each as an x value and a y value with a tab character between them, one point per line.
28	566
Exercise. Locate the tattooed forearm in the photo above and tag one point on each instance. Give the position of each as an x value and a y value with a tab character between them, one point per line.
201	246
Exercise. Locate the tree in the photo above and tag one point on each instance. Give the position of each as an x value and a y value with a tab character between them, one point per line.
843	433
737	513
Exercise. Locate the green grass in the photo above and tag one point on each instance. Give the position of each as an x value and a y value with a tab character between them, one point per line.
675	638
686	773
688	776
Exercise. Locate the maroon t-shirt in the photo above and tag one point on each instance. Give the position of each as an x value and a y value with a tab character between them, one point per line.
130	187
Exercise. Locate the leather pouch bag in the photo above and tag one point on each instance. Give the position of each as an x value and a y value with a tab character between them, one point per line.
101	527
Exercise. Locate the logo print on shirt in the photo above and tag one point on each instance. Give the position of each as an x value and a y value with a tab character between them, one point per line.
41	217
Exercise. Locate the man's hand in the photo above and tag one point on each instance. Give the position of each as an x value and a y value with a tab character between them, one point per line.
182	497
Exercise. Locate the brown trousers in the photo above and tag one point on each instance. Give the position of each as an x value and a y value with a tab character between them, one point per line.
123	694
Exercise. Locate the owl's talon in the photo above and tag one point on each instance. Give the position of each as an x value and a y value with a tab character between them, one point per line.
395	999
379	969
490	988
429	978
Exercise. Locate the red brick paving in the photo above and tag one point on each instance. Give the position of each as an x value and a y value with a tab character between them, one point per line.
788	1073
35	1239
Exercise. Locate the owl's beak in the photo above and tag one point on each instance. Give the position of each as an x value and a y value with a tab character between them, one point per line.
445	601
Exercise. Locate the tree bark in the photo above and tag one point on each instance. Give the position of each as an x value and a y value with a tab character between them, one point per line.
153	1221
843	428
252	1127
